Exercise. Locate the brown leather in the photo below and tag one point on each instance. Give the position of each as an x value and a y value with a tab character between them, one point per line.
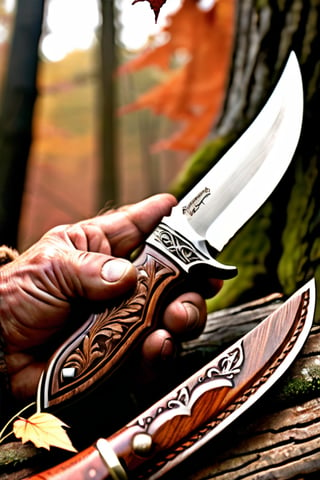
86	465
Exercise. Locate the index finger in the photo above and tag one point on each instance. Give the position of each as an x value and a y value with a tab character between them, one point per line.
128	226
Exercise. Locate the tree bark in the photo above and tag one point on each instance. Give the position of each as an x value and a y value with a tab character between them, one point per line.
16	112
284	445
279	247
106	128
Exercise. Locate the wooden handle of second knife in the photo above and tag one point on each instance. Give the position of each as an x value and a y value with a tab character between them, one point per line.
94	352
86	464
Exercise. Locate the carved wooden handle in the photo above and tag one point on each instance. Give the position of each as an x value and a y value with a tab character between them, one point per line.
96	350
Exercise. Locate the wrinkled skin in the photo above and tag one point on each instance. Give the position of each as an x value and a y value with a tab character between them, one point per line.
84	262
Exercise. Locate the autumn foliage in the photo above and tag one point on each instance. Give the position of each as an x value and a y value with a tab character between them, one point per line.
44	430
193	93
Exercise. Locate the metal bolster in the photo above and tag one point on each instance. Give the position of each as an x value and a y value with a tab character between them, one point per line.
111	460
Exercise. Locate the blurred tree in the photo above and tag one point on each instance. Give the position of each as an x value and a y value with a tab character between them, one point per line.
6	21
108	183
17	104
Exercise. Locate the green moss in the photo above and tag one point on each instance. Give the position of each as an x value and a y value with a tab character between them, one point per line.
15	453
296	239
261	4
248	251
200	163
302	388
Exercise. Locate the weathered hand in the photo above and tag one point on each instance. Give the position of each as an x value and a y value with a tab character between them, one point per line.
86	262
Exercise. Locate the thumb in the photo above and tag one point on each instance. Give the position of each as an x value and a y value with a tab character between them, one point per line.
101	277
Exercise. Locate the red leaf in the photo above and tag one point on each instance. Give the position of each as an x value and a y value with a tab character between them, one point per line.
154	4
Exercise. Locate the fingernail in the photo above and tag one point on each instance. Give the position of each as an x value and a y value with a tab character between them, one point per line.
193	314
167	350
114	270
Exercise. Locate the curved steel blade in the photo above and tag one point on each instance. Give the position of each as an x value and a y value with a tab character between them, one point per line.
233	190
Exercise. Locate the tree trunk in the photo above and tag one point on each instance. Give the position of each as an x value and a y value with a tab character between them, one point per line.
108	178
265	34
19	96
279	247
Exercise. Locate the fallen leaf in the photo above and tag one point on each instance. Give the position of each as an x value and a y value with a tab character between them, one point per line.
154	4
44	430
193	92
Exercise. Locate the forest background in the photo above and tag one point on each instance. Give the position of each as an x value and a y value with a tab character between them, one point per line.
62	183
213	71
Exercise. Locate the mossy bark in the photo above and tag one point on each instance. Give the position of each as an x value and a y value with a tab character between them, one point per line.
280	247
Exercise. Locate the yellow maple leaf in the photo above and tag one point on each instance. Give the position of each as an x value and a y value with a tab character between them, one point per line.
44	430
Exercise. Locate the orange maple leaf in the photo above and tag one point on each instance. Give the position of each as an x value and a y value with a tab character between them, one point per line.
192	94
44	430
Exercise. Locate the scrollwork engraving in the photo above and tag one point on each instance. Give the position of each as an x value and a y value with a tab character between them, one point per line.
214	377
177	245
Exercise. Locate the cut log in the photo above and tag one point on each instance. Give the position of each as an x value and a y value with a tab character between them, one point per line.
278	438
283	445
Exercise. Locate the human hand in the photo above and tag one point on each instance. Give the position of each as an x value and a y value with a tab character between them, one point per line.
42	289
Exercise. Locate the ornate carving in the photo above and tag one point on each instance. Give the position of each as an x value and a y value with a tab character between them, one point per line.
177	245
111	329
215	377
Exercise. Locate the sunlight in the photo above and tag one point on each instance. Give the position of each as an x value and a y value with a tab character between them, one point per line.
5	27
137	22
72	25
9	5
